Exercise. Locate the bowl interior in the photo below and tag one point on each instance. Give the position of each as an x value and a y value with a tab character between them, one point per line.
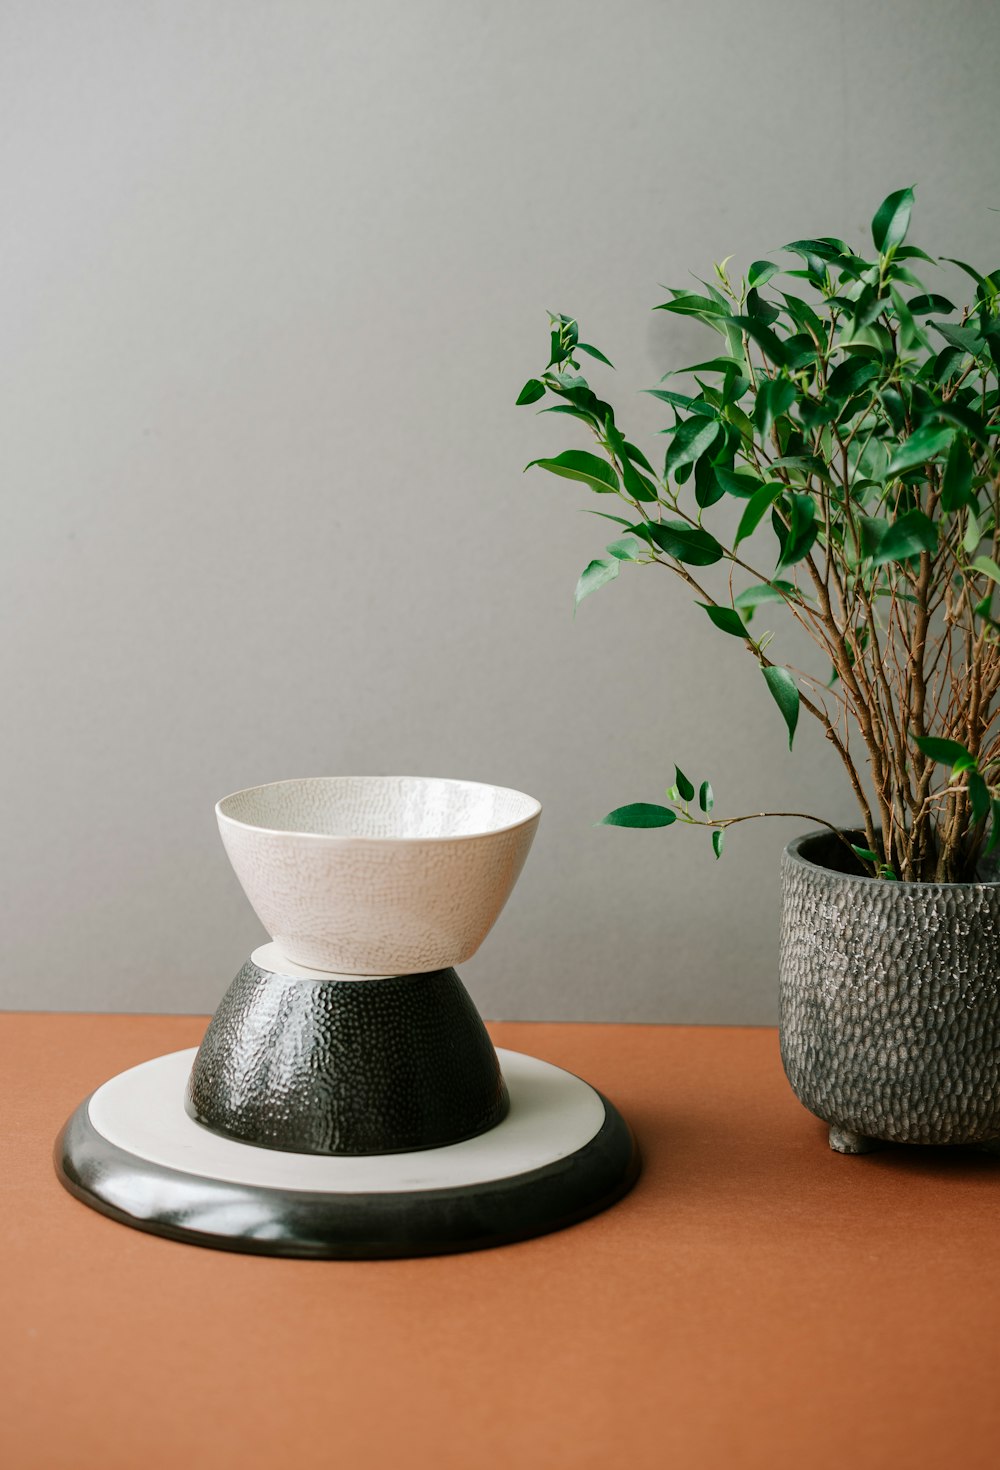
380	807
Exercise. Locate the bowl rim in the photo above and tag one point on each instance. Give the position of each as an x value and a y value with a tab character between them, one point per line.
222	816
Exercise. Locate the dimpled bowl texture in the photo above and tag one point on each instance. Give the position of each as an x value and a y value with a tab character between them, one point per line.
890	1000
377	875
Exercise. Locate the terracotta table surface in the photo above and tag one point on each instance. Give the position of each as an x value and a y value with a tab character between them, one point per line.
756	1301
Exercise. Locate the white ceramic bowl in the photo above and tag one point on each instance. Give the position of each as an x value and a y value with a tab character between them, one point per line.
377	875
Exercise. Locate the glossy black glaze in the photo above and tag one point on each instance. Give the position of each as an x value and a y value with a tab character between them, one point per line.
347	1066
211	1212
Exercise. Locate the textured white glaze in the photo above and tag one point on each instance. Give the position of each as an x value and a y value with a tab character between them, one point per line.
552	1115
377	875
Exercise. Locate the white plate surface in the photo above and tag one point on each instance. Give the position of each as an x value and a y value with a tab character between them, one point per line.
552	1114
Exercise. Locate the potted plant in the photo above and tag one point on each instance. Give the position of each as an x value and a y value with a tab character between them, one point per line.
833	463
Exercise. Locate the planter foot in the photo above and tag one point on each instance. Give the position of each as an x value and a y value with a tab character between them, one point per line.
844	1141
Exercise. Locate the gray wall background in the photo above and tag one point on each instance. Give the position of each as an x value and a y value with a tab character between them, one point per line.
272	276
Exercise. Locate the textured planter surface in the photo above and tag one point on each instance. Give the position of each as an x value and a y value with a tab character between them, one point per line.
890	1000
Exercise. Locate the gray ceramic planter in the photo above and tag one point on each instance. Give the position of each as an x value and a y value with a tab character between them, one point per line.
889	1002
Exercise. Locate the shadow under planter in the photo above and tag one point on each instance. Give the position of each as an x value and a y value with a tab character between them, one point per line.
346	1066
889	1002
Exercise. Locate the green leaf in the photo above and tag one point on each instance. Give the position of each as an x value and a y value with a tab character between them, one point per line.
946	753
864	312
969	270
681	400
736	483
618	520
639	814
957	413
892	220
707	489
593	576
691	544
637	457
684	786
947	364
577	464
761	272
912	252
897	272
984	609
818	253
636	485
911	337
994	837
531	392
964	338
771	345
873	533
627	548
756	507
706	796
866	854
761	309
974	531
593	352
689	303
775	396
979	797
568	327
815	413
802	314
571	408
892	402
986	568
785	694
921	447
740	429
908	535
956	486
801	351
763	592
718	841
692	439
802	531
726	619
924	305
850	376
725	365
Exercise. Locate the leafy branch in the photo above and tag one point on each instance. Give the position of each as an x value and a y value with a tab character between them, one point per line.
856	419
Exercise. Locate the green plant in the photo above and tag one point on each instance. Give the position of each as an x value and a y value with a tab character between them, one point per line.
850	421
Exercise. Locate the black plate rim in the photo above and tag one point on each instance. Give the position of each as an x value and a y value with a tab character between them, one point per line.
260	1220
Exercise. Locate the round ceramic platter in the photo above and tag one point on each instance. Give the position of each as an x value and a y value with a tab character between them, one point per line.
562	1153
